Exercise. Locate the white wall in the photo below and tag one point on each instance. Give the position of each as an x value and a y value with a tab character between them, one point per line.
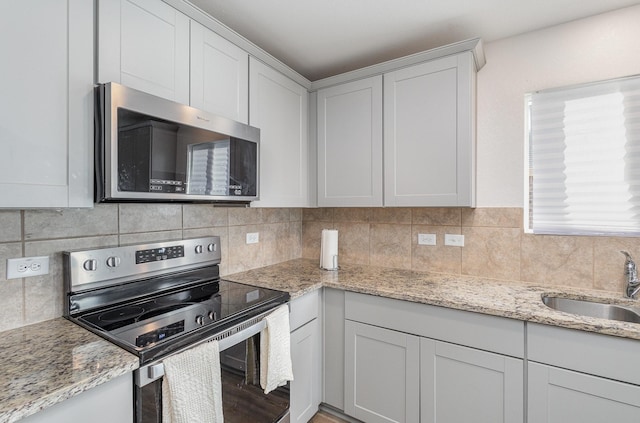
600	47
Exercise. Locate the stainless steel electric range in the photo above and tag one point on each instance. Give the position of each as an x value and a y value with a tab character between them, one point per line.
159	299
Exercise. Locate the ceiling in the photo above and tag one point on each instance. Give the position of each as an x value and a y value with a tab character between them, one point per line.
322	38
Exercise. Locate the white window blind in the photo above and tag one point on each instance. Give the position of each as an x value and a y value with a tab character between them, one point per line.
584	159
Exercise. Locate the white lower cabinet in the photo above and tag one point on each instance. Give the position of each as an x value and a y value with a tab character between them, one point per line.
392	376
581	377
382	382
410	362
333	348
306	357
461	384
563	396
110	402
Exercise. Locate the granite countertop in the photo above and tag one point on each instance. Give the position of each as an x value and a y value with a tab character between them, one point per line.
46	363
514	300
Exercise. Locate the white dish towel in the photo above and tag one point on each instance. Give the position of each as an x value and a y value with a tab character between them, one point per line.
275	350
191	388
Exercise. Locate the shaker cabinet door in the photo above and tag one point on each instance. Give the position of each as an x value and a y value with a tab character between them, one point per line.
461	384
46	106
563	396
144	44
350	144
219	75
382	381
307	375
278	106
429	120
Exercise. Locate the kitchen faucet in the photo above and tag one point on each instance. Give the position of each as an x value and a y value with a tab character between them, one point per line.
633	284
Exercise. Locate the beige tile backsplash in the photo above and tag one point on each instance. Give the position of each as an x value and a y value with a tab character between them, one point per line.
27	233
495	245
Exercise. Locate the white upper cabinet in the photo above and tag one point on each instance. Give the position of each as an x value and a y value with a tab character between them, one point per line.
404	137
429	133
144	44
219	75
46	106
350	144
279	107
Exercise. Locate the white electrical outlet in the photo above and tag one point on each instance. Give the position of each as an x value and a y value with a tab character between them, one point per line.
426	239
454	240
253	238
27	266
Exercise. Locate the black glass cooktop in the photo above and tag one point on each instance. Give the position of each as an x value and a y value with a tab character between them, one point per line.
192	304
147	310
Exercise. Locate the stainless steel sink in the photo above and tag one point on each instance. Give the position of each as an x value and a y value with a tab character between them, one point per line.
594	309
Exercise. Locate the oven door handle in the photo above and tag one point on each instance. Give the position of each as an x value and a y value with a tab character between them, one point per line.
154	371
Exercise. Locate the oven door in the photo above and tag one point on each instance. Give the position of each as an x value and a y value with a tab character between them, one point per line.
243	400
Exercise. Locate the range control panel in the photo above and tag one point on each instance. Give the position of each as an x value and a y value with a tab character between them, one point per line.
157	254
117	264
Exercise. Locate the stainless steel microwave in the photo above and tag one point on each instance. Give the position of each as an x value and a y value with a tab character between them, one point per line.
149	149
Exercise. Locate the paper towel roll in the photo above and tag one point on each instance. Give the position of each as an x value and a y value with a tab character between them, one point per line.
329	249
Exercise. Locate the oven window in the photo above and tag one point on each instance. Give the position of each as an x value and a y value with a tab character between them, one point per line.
243	399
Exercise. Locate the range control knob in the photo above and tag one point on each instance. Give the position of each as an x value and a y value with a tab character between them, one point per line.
200	320
212	247
90	265
212	315
113	261
198	249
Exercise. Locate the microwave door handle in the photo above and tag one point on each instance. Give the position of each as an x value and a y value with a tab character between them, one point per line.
153	372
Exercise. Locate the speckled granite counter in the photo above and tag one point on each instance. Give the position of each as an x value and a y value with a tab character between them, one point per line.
500	298
46	363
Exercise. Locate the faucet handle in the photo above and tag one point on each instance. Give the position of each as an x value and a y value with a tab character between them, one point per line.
629	259
630	268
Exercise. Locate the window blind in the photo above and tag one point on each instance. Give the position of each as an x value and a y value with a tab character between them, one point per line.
584	147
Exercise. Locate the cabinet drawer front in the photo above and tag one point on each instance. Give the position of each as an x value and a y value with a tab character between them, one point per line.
592	353
303	309
490	333
562	396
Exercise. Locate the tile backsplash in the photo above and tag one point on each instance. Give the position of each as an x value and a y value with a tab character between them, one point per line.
495	244
27	233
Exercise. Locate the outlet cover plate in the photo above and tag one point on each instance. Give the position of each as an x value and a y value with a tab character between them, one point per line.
253	238
454	240
426	239
27	266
